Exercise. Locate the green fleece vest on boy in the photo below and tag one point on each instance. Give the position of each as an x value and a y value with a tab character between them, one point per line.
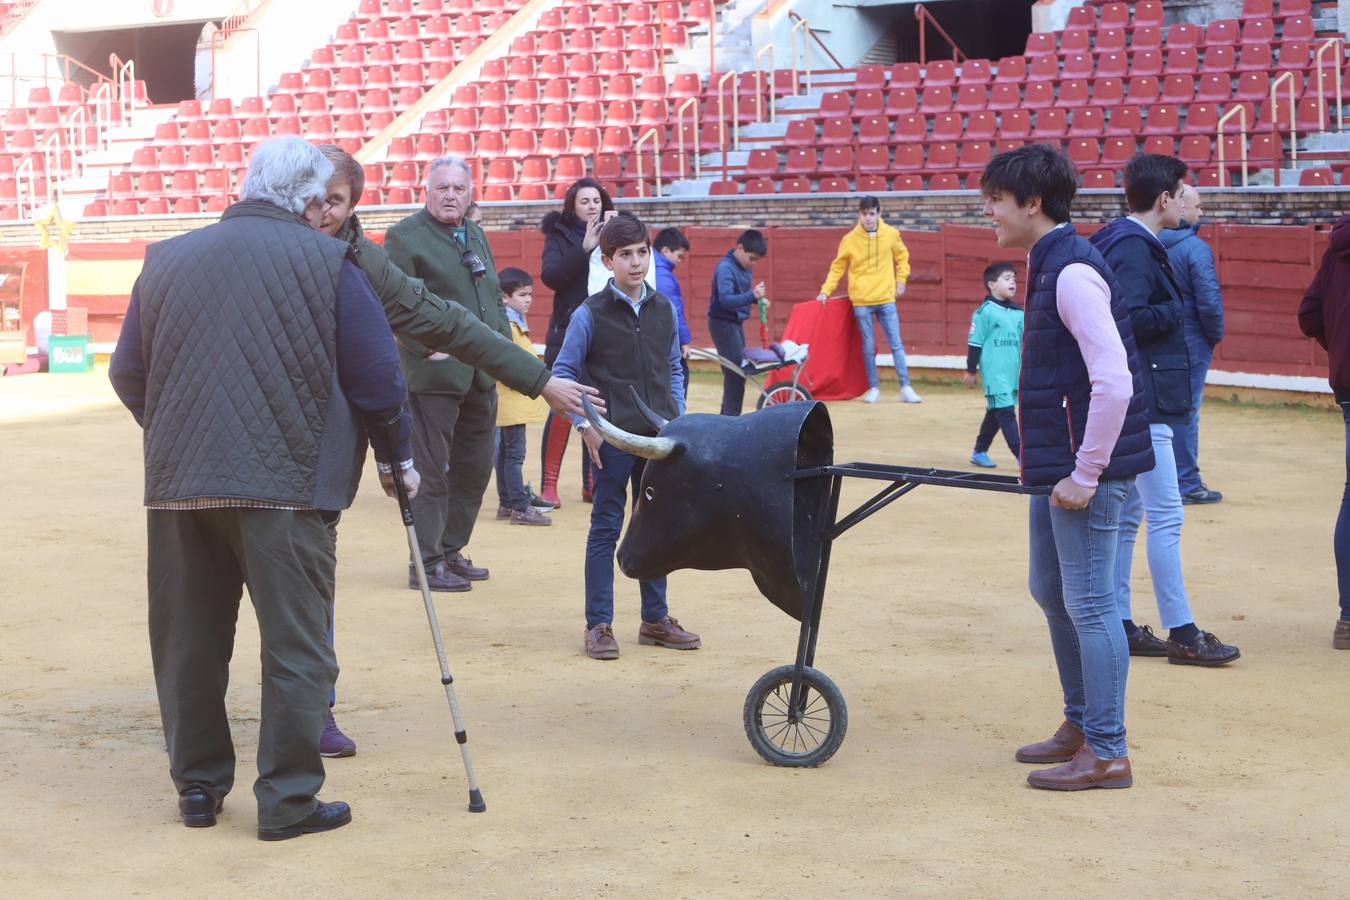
427	249
631	348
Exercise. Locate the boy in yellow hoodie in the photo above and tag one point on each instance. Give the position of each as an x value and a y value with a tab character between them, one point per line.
878	267
515	410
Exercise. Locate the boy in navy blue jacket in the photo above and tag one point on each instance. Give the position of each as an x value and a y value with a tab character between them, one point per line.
671	245
733	296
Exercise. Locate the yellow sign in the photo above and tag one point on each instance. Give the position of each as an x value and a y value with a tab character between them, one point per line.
54	230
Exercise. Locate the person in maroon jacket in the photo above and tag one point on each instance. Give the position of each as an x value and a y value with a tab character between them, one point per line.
1324	315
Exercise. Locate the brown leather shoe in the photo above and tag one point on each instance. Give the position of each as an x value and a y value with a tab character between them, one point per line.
439	578
600	643
504	512
1086	770
1205	650
1060	748
1145	643
529	516
462	566
1340	638
667	633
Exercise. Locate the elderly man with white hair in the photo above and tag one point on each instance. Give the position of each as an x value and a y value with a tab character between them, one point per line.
453	404
256	358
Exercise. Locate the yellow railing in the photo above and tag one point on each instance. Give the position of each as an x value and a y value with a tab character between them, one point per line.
679	131
759	84
722	119
1240	111
1286	78
1338	44
801	26
656	161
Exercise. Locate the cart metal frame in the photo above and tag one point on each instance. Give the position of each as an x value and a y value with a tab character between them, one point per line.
798	392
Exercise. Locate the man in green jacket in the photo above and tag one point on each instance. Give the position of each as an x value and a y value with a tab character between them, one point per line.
453	404
430	329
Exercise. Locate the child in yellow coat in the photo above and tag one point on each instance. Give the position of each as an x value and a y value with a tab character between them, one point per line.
515	410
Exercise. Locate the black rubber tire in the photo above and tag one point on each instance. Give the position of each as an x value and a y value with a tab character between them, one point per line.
782	393
773	688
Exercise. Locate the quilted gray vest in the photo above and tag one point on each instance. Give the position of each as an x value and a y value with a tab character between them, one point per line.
239	332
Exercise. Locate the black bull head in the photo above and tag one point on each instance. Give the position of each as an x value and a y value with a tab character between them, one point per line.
720	493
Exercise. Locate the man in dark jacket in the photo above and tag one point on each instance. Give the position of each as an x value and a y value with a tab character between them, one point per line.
1130	245
733	296
256	359
454	405
420	316
1202	324
1324	315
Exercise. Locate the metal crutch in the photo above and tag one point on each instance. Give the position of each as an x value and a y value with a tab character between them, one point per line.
476	803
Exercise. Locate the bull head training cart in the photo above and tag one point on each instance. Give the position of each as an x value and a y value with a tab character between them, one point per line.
777	465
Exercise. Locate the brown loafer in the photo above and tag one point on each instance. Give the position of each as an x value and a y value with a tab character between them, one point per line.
529	516
462	566
1085	771
667	633
439	578
600	642
1340	638
1205	650
1060	748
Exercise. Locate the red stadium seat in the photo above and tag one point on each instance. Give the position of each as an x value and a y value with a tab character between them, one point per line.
911	128
974	155
1108	92
1038	95
1084	152
982	126
1110	39
1051	125
872	183
1316	178
1043	69
1148	12
906	75
875	130
1202	118
1181	61
1083	17
800	161
1161	145
1079	65
1142	90
947	127
794	186
1011	70
941	73
1296	55
1215	88
1146	62
1195	150
1074	41
908	183
1113	65
971	97
1073	93
837	159
1016	125
1088	121
935	100
760	186
1179	36
1161	119
945	181
1178	89
1255	57
1299	28
872	103
976	71
908	158
1005	96
1099	179
1125	120
835	184
762	163
1040	43
800	133
874	159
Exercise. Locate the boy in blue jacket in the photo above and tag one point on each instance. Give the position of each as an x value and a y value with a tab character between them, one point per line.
671	245
733	296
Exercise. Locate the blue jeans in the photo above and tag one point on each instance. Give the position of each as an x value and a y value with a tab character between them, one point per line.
1073	557
890	323
1342	538
729	339
609	497
1155	497
510	460
1188	435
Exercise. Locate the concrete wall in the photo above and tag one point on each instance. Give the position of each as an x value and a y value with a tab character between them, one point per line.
847	30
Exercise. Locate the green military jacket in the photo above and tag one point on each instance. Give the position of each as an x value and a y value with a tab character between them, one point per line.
427	249
424	322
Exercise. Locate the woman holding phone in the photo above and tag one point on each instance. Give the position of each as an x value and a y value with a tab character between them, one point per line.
570	238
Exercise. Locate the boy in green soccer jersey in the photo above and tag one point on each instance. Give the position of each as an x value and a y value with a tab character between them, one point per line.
995	347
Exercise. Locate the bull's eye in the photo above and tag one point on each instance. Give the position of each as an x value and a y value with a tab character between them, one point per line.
649	493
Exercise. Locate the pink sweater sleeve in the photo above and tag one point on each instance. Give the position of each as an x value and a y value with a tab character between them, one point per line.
1084	304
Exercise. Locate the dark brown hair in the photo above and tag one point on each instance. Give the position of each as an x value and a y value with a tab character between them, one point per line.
623	229
346	168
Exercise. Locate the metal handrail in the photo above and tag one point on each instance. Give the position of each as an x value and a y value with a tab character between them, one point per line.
1241	112
104	100
125	75
51	161
1329	43
679	131
24	168
805	56
76	124
811	31
925	17
722	119
759	84
656	162
1285	78
65	63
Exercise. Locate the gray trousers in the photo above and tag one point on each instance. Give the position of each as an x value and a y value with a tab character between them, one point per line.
199	563
452	449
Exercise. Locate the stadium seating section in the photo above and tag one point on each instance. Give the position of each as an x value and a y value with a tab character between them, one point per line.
574	95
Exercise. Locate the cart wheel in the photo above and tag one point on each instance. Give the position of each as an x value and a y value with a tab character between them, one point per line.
816	734
782	393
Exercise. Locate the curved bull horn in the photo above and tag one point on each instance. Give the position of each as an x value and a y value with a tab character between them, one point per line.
648	413
645	447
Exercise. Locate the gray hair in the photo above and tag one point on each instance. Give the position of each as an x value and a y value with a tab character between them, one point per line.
288	172
441	162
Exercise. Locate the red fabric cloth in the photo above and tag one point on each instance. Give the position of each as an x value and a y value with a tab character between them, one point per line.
834	369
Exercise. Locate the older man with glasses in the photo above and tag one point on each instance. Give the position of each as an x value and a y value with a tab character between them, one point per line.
454	404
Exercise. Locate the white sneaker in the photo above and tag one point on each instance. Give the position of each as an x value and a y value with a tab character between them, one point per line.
909	395
872	395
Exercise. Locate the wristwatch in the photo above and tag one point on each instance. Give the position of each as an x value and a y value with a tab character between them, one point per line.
583	427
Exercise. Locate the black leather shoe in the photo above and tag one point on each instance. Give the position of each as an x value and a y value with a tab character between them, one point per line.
1201	494
439	579
462	566
327	817
1205	650
198	809
1145	643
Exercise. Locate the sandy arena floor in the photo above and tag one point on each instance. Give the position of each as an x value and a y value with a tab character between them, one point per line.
634	778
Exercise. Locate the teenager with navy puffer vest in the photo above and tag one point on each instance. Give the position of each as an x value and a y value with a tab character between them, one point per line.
1153	191
1084	432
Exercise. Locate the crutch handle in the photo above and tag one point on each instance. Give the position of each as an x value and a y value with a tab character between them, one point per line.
400	489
